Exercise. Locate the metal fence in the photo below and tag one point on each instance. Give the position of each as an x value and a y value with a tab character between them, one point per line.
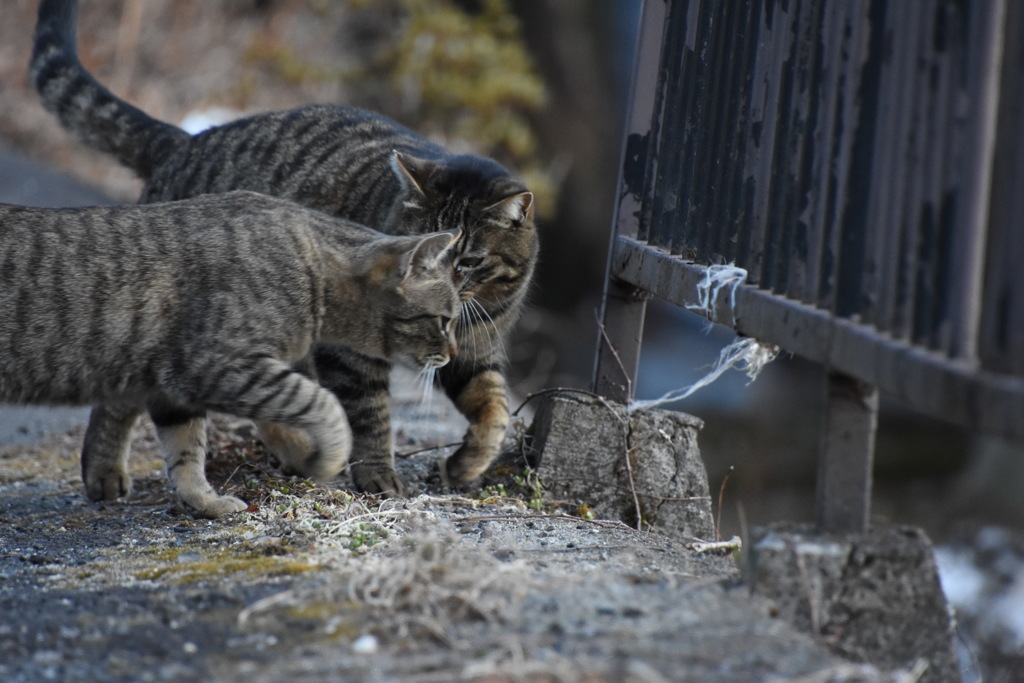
863	161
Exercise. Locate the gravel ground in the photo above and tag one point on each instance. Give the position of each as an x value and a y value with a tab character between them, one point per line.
315	582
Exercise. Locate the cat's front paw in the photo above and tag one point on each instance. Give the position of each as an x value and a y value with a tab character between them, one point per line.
218	506
385	483
467	463
107	485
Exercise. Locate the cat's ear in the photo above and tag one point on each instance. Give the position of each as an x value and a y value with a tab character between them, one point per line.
428	252
411	171
516	209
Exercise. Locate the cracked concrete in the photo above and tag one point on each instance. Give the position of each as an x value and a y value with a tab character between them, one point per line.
642	465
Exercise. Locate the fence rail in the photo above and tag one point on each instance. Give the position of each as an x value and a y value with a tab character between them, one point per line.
863	161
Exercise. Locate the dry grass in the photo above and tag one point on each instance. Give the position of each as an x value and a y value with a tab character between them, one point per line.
417	585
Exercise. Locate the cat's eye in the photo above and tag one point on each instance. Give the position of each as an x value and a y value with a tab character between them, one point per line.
468	263
445	322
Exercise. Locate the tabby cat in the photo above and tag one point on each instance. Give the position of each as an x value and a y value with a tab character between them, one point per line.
352	164
210	304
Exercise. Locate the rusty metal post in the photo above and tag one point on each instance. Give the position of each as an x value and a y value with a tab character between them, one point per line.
967	278
623	306
847	455
620	337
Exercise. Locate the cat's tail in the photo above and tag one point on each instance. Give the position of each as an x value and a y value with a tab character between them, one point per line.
89	111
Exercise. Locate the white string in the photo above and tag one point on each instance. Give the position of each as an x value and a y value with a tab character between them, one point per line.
715	278
746	354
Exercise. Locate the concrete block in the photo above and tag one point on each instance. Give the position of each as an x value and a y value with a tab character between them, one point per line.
872	597
624	464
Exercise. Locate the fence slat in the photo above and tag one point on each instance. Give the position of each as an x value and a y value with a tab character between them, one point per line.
728	214
677	66
1001	344
768	67
963	275
701	169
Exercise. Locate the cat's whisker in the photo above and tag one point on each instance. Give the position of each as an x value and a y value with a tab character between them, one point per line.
477	320
497	333
485	332
425	384
470	331
480	327
489	328
460	320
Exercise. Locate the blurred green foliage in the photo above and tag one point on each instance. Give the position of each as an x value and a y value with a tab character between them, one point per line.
463	79
469	77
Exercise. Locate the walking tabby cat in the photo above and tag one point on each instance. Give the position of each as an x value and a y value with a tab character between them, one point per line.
205	304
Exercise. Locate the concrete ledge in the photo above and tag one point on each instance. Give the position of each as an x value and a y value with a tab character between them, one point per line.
871	597
638	467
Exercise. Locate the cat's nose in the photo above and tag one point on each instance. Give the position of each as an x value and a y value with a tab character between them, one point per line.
453	346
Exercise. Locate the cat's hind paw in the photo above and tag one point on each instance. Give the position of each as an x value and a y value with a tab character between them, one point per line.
291	446
218	506
108	485
298	453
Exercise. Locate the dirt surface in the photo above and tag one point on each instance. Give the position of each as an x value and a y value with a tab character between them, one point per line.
314	582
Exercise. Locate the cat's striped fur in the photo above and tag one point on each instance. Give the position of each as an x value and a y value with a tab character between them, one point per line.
339	160
210	304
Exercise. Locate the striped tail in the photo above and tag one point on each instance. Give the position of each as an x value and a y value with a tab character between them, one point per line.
89	111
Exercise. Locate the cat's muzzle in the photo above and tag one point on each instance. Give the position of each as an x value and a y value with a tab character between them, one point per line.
438	360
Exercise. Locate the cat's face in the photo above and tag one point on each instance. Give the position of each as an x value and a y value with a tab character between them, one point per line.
494	256
422	310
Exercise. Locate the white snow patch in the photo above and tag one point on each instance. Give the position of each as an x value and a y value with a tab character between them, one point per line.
961	580
366	644
198	120
1008	610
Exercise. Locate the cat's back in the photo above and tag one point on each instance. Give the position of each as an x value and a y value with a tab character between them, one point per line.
329	157
79	311
152	234
231	255
93	301
31	238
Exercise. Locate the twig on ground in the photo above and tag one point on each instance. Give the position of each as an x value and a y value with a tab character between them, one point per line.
607	523
427	450
552	390
615	355
721	494
632	481
805	583
732	544
264	604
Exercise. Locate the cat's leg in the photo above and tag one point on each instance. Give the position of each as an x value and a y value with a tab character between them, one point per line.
361	384
182	433
266	389
480	392
105	452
